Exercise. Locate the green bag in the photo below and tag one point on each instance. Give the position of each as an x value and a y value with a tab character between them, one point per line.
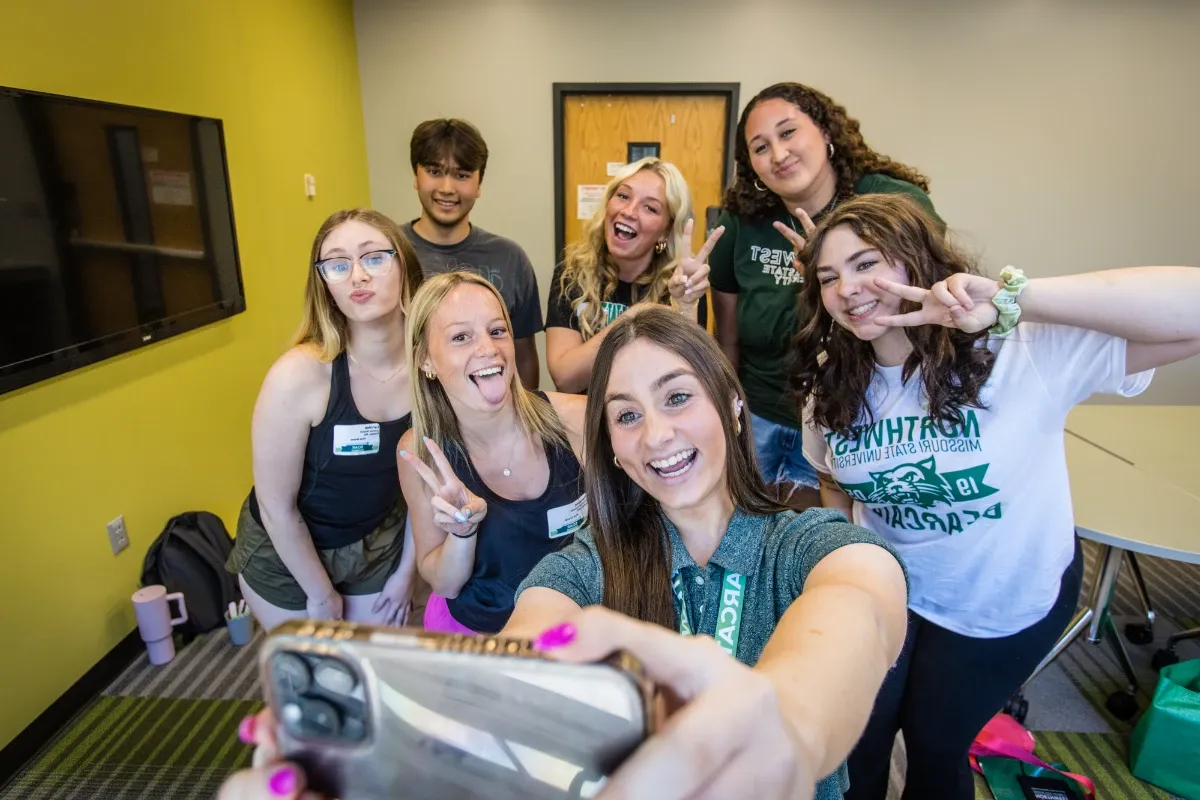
1165	746
1003	776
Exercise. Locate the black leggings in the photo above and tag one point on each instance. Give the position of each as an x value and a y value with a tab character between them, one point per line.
942	691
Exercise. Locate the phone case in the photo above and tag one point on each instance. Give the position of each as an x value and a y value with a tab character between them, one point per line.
375	713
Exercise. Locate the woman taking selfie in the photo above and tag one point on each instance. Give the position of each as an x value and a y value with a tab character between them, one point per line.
683	536
936	419
322	533
797	154
636	252
490	468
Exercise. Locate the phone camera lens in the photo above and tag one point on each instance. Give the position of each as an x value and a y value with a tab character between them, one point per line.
291	673
319	718
335	677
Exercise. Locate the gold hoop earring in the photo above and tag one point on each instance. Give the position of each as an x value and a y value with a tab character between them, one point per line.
617	461
660	247
429	375
739	426
759	186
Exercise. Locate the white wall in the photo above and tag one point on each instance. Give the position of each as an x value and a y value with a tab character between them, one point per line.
1060	135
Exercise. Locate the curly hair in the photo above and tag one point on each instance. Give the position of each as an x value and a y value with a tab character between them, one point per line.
589	275
852	158
833	368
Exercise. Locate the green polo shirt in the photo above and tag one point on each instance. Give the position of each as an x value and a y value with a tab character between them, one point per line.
774	554
754	261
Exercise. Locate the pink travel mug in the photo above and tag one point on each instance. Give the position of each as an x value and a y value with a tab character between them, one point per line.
155	623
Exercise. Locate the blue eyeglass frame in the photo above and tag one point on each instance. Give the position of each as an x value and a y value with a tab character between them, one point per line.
320	265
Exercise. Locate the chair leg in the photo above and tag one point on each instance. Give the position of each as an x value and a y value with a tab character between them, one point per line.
1182	636
1140	632
1108	570
1122	704
1122	655
1167	655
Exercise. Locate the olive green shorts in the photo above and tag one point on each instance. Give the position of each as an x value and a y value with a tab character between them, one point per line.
356	569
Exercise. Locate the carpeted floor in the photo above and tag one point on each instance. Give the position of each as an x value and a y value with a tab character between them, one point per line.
159	733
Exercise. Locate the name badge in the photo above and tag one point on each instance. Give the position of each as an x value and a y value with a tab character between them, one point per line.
356	440
565	520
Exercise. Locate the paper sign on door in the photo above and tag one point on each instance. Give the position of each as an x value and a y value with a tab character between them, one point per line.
588	199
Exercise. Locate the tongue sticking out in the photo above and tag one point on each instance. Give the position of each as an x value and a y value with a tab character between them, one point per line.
492	387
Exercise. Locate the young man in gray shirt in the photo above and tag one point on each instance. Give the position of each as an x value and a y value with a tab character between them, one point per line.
448	158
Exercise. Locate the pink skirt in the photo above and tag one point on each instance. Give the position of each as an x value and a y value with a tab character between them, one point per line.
438	617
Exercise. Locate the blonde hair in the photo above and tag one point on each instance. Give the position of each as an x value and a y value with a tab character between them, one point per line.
589	273
432	414
324	325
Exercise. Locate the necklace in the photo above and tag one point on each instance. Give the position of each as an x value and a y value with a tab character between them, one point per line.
506	471
372	377
828	207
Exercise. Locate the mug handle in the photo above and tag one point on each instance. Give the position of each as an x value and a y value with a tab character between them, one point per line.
183	615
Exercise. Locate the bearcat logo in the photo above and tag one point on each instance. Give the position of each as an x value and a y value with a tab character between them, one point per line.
916	484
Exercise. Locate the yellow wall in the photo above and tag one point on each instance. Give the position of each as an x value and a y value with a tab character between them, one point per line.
164	429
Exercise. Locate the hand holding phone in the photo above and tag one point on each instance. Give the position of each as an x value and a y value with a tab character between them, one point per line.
380	713
727	737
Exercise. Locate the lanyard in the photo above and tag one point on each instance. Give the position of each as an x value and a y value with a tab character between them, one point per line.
729	620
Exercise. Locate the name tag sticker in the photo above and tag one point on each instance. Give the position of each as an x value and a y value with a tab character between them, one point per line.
356	440
565	520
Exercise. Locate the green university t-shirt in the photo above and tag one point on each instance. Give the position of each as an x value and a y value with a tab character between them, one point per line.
754	261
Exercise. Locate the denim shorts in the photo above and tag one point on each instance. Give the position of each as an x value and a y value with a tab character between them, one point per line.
780	458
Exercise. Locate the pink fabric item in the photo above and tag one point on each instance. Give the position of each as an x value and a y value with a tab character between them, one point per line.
439	618
1003	736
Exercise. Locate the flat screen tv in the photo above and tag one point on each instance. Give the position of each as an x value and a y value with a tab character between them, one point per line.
116	231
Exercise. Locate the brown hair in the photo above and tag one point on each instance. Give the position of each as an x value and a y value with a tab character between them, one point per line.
436	140
432	414
625	521
852	158
324	324
834	368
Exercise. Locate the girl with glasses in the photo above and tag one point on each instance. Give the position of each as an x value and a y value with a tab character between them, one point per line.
322	534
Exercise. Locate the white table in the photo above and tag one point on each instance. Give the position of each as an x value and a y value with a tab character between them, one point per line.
1163	441
1135	487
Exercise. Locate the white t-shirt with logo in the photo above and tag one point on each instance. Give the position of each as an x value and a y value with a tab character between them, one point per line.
982	517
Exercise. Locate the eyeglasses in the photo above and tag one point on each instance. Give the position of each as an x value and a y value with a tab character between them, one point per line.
375	263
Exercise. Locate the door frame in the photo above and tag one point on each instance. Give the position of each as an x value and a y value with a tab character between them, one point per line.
561	90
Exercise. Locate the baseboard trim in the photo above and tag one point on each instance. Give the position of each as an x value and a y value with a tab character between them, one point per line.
38	733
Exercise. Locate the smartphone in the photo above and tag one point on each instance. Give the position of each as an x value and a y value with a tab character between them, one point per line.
374	713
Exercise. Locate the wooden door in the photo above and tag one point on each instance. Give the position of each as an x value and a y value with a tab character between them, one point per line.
689	130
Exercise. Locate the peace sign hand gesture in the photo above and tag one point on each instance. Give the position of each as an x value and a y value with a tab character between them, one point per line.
798	241
690	281
961	301
455	510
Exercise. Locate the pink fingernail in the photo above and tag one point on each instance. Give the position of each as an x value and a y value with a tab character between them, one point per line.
556	637
246	729
283	782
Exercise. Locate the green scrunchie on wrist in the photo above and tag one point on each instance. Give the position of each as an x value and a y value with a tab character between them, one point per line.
1012	283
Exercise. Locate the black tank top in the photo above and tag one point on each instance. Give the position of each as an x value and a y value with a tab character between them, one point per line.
515	535
350	481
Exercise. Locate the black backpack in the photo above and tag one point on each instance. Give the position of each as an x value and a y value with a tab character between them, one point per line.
189	556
